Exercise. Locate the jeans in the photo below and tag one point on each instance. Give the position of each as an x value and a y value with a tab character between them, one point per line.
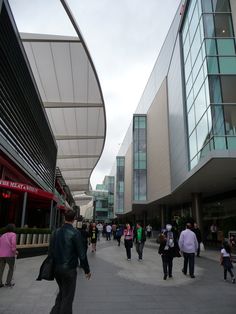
189	259
66	280
11	263
139	249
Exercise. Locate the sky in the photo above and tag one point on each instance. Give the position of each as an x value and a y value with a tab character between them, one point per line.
124	38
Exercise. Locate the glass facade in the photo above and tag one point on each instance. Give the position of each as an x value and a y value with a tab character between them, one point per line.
109	186
209	58
120	182
139	157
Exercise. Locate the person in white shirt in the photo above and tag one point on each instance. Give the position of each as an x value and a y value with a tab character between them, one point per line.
149	231
100	228
108	231
188	244
225	259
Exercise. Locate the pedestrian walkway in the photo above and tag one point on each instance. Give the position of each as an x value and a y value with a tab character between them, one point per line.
120	286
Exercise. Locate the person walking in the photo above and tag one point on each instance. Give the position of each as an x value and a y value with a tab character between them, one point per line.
188	245
139	238
197	231
214	233
100	229
167	250
8	254
119	233
93	236
66	247
226	262
149	231
128	240
108	232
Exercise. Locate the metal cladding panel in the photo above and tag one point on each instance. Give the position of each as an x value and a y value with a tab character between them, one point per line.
177	125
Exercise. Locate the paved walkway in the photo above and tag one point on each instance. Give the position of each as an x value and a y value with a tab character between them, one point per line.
120	286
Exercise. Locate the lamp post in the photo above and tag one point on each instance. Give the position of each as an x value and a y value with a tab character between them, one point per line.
94	209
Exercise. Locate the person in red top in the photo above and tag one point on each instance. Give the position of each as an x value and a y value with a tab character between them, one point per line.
8	253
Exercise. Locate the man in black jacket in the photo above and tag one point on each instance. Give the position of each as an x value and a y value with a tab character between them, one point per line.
66	247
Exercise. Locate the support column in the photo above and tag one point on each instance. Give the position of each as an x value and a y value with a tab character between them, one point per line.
24	210
197	209
162	210
51	215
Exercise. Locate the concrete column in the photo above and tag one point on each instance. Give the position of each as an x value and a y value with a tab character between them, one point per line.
51	215
162	210
24	210
196	209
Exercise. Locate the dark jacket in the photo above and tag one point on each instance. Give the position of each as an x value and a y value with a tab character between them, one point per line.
171	251
198	234
66	247
143	236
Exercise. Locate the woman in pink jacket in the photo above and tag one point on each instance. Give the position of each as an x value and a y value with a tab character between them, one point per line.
7	254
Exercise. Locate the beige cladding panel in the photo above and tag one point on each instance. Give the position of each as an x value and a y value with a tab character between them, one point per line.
233	9
128	180
158	174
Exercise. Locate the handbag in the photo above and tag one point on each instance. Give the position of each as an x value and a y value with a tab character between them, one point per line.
202	248
46	270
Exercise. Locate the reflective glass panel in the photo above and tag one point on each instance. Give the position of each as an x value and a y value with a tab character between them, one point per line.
206	6
188	67
218	120
231	140
191	8
193	162
228	84
202	133
210	47
193	24
190	100
221	5
192	145
186	47
223	25
227	65
215	89
226	47
199	81
205	150
196	45
191	120
200	104
197	65
209	28
212	65
209	117
230	119
220	142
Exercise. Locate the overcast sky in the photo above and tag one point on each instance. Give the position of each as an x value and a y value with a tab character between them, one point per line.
124	38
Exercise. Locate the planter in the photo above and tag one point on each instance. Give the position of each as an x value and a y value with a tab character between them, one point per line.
40	239
22	238
29	238
35	239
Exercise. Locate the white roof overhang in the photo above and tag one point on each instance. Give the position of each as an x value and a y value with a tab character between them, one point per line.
73	100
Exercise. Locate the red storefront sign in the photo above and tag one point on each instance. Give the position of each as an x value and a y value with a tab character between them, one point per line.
26	188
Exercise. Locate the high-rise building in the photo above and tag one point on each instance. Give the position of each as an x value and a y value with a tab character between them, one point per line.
178	157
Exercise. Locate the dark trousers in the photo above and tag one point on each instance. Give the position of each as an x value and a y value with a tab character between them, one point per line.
198	249
189	260
167	263
10	261
66	280
128	246
139	249
118	239
108	235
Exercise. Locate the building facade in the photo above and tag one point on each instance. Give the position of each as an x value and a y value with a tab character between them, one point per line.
180	151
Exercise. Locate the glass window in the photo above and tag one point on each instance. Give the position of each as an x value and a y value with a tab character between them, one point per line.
189	85
215	89
142	122
205	151
212	65
220	142
186	47
209	28
227	65
193	162
220	5
196	45
197	65
226	46
223	25
185	29
230	119
209	117
218	120
201	28
188	67
200	104
191	8
202	133
190	100
193	24
199	81
210	47
206	6
231	140
191	120
228	85
207	92
192	145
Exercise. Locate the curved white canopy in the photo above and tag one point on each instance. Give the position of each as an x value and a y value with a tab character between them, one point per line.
73	100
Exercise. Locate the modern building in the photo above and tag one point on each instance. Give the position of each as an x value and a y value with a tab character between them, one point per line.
178	157
52	119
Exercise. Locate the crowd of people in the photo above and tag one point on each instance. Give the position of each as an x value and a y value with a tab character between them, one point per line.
69	245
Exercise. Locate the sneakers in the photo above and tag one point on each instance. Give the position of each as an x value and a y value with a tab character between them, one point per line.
9	284
165	277
1	285
128	259
233	280
184	272
192	276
